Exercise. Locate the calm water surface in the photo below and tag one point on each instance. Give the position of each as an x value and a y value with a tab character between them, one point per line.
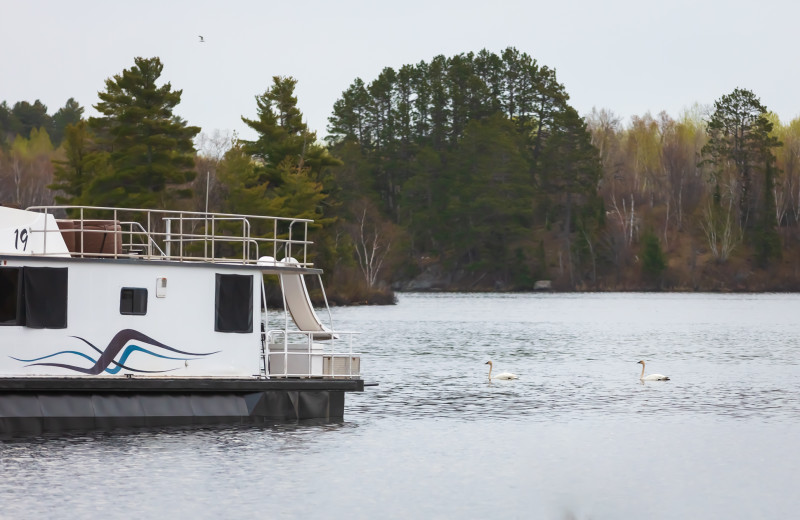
576	437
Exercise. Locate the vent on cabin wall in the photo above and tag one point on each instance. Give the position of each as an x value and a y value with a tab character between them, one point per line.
161	287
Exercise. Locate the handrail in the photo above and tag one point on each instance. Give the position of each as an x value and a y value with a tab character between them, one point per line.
308	352
220	242
141	231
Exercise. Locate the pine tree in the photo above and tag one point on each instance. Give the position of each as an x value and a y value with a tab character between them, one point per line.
454	150
31	116
739	148
70	114
349	119
569	163
81	164
151	153
282	134
569	170
9	126
289	163
767	239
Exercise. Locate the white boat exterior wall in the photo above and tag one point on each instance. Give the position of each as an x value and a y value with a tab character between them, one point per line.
18	238
183	320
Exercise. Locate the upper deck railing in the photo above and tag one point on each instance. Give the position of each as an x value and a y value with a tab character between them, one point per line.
182	236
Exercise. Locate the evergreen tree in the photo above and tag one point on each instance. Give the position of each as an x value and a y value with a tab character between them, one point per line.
289	168
739	148
439	109
452	148
350	114
767	240
549	99
424	195
404	108
653	261
459	88
381	111
31	116
82	163
9	126
488	211
244	192
150	150
70	114
422	104
282	136
569	170
570	164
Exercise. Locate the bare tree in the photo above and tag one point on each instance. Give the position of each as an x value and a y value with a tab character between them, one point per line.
371	248
604	127
787	190
625	217
207	188
682	141
214	146
27	170
721	232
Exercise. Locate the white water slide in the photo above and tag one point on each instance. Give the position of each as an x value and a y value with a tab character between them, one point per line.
298	301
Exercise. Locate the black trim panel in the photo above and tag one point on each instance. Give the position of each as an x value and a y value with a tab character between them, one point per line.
31	414
167	385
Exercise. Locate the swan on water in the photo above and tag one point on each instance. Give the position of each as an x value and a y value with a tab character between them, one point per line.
502	375
651	377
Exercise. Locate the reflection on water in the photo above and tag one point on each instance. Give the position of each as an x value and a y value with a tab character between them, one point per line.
577	436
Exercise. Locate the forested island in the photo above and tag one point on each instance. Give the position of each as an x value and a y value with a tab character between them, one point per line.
464	173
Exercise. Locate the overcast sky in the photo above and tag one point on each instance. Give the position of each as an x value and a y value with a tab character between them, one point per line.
629	56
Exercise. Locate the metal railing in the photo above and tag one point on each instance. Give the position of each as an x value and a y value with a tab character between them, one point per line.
306	358
182	236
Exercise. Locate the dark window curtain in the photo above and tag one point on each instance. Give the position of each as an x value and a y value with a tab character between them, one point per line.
45	290
234	303
12	311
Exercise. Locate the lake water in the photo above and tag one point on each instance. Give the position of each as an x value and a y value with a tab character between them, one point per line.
578	436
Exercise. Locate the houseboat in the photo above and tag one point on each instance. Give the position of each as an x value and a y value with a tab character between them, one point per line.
117	318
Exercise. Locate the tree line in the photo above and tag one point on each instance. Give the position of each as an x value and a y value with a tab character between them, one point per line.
472	172
496	181
467	155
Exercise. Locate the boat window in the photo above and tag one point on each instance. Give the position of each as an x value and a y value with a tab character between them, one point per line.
45	295
133	301
11	296
234	303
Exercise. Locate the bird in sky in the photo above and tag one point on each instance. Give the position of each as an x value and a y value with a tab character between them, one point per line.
202	40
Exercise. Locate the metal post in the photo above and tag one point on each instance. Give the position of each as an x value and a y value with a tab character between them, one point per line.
114	231
180	233
44	245
168	232
81	232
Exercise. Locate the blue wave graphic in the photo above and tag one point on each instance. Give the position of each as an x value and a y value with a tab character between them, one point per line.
107	356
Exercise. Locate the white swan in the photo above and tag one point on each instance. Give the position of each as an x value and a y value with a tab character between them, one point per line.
651	377
507	376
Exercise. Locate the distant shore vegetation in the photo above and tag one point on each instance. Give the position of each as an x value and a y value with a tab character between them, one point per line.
464	173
